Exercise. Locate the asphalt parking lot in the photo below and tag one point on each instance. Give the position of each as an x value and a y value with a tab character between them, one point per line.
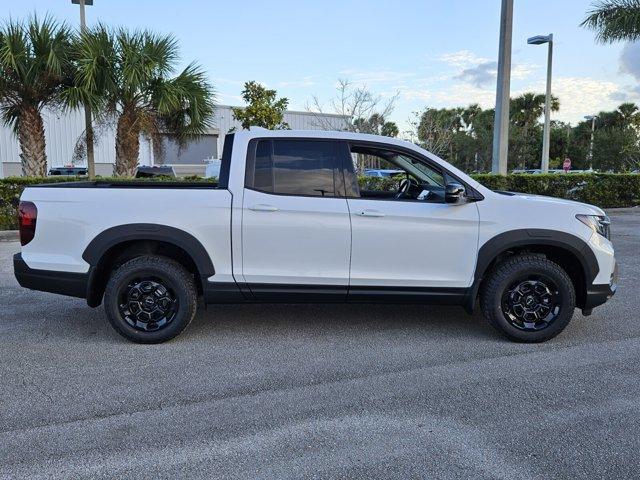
320	391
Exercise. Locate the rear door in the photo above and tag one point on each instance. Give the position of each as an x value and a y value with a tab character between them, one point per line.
296	233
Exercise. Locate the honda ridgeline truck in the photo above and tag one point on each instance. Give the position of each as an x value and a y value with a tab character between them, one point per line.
288	221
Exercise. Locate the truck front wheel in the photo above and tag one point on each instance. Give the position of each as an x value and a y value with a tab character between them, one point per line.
150	299
528	298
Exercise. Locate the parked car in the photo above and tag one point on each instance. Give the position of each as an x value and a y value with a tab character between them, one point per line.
288	222
68	171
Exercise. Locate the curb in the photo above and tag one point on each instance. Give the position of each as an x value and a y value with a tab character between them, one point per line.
9	236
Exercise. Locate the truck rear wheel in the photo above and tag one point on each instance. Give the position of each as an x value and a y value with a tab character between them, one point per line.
528	298
150	299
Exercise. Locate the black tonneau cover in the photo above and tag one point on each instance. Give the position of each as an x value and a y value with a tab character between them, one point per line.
131	184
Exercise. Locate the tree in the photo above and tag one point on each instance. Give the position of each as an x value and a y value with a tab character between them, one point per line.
526	132
436	128
34	69
614	20
376	125
362	110
263	109
129	76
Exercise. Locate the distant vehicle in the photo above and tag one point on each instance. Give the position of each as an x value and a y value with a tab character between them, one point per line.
288	221
382	173
68	171
155	171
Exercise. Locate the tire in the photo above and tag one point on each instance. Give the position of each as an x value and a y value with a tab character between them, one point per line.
528	298
150	299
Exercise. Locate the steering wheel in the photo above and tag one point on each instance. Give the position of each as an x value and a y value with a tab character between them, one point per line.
406	184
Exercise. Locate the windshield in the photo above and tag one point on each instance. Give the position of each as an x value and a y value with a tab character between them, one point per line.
423	173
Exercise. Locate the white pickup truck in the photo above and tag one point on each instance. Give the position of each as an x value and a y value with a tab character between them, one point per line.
288	221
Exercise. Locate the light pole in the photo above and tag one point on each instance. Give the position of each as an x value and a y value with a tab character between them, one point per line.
88	127
501	120
592	118
540	40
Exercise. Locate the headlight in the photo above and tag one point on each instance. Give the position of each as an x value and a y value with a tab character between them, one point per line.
598	223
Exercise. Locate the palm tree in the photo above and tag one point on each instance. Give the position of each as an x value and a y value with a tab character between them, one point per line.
527	108
525	111
614	20
128	75
34	70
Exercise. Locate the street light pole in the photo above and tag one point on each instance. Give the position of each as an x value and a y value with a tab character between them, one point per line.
546	136
91	169
501	120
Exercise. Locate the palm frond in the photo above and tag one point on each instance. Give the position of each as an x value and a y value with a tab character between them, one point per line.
14	49
614	20
186	103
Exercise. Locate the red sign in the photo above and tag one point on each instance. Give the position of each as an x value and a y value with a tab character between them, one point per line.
566	166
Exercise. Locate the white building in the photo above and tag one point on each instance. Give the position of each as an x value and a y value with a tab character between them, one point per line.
64	129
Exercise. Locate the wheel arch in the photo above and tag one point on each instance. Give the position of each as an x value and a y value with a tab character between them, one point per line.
127	241
572	253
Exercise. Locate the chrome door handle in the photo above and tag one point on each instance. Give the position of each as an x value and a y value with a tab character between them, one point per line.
371	213
263	208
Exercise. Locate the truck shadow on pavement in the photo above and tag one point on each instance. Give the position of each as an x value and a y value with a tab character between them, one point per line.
71	318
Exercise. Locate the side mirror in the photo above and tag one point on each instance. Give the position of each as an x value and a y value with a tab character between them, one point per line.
454	193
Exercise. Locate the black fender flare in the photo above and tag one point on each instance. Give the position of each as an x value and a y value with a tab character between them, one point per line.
534	237
143	231
149	231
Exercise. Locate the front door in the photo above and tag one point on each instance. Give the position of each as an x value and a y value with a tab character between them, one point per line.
404	236
296	233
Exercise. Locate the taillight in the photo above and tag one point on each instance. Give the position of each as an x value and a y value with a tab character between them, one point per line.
27	216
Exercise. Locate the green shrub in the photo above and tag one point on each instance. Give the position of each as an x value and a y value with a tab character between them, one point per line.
606	190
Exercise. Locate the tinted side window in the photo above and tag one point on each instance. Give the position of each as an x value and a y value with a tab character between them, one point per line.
295	167
263	175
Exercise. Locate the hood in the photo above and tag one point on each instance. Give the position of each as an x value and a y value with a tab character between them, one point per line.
542	200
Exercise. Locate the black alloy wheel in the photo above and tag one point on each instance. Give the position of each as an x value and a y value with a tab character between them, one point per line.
532	303
148	304
150	299
528	298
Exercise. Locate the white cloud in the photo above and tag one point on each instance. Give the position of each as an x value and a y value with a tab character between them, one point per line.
522	71
481	71
481	75
462	59
304	82
578	96
376	76
416	94
460	95
630	60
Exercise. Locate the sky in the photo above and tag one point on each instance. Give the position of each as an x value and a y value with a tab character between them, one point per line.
431	53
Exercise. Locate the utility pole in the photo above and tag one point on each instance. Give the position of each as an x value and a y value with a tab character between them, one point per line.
91	169
503	92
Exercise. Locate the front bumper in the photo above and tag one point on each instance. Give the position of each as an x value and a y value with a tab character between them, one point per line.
599	294
63	283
